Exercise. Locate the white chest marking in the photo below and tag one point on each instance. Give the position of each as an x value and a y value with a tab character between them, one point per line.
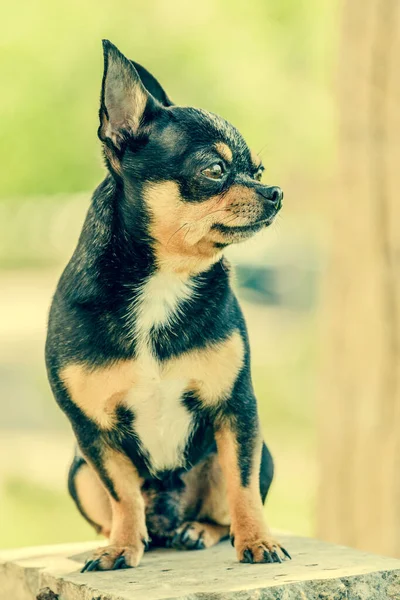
158	303
162	423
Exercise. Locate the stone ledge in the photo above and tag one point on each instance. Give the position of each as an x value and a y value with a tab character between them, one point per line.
318	571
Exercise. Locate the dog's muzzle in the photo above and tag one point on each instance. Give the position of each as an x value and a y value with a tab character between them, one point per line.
272	197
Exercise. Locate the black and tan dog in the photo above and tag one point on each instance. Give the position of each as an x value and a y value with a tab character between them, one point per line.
147	350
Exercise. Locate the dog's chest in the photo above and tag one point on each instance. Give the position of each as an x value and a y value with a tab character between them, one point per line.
162	423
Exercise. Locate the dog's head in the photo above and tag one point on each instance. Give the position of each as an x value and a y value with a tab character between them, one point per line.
188	176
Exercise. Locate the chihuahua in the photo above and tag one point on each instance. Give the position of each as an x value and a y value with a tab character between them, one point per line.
147	349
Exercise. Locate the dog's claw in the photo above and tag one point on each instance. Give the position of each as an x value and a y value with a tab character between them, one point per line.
181	537
276	557
185	534
120	563
91	565
267	557
286	553
94	565
199	545
248	556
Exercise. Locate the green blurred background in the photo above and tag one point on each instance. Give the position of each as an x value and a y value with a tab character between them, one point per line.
268	67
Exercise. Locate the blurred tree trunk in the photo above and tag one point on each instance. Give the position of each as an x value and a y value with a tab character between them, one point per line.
359	495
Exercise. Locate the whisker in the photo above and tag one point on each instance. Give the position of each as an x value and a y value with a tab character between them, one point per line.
211	213
247	224
184	237
189	224
177	231
222	195
230	220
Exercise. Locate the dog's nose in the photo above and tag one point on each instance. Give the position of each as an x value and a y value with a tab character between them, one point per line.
274	194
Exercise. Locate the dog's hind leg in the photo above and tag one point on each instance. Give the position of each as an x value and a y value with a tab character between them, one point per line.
90	495
207	515
197	535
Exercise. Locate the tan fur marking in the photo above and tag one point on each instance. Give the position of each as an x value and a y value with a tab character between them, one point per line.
213	370
206	482
246	504
128	525
128	530
224	151
248	527
215	499
182	230
98	391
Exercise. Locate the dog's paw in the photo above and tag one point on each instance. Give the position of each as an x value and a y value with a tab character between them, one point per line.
112	558
189	536
194	535
263	550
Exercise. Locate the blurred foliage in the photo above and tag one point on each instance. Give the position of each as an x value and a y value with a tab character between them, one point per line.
264	65
37	514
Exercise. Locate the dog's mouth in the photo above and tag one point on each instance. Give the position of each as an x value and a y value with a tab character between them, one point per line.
243	231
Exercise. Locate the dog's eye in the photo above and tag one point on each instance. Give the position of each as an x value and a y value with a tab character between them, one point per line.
259	174
215	171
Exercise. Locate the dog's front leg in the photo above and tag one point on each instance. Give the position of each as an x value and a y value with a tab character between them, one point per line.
128	538
239	450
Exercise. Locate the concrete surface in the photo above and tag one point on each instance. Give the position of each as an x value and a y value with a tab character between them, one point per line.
318	571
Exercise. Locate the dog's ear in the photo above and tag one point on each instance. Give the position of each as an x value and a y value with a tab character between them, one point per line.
152	85
124	98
